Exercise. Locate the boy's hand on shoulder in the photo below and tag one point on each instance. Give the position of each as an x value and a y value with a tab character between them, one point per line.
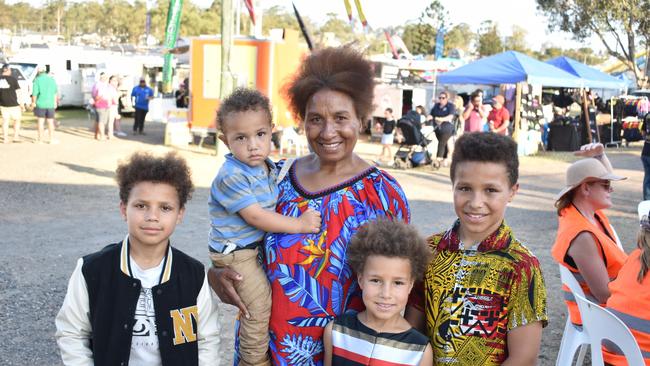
310	221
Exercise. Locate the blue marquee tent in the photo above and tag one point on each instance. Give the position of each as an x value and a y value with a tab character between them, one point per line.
510	67
591	77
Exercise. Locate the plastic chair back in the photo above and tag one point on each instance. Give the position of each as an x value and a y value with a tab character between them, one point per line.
573	338
570	281
600	324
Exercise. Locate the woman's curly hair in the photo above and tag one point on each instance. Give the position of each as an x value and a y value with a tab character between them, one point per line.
145	167
341	69
389	238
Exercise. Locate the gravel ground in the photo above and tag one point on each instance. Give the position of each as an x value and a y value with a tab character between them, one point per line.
60	202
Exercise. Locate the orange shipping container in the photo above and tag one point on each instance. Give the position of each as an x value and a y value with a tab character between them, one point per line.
263	64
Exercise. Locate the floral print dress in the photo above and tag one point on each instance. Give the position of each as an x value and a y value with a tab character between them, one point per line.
311	280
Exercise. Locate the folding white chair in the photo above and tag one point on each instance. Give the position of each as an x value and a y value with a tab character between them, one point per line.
290	138
599	324
574	338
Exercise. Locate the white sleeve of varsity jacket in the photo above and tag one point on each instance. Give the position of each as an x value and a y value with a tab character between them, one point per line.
209	326
73	327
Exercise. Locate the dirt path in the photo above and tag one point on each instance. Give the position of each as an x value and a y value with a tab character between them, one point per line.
60	202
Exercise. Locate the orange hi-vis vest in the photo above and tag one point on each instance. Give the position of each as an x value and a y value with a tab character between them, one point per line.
571	224
630	302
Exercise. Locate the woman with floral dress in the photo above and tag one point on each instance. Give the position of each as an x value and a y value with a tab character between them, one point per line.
311	281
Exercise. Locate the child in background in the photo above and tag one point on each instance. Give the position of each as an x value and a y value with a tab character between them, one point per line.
484	290
630	292
387	256
141	301
242	209
387	136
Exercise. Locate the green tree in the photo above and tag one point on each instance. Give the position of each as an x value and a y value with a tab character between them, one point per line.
517	40
339	27
460	36
419	38
622	26
489	39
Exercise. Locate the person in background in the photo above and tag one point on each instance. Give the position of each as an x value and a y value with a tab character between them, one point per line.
141	95
115	118
586	243
474	114
645	157
499	117
630	293
102	100
421	112
387	136
45	98
443	114
181	96
9	106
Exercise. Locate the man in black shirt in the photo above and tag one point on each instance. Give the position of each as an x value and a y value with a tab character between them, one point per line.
9	106
387	136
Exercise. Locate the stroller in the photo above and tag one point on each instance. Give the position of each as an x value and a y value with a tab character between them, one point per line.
412	150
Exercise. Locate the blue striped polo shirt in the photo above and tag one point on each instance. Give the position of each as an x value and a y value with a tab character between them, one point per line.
236	187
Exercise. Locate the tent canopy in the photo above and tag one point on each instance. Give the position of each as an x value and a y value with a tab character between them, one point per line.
510	67
591	77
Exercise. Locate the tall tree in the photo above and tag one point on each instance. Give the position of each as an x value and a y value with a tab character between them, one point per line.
339	27
419	38
517	40
460	36
622	26
489	39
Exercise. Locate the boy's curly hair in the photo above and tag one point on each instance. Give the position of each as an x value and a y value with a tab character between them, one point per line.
145	167
486	147
389	238
243	100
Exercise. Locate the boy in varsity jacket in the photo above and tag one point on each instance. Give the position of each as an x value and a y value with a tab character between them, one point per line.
141	301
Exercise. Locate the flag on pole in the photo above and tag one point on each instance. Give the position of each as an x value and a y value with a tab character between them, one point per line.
303	28
392	46
362	16
348	9
171	35
251	9
440	43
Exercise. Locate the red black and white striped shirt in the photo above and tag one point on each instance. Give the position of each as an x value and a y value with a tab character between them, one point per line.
354	344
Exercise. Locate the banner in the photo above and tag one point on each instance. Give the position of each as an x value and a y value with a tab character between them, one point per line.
348	9
392	46
440	43
303	28
251	9
362	16
171	35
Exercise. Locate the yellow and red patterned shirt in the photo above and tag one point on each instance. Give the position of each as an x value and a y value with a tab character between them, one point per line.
473	296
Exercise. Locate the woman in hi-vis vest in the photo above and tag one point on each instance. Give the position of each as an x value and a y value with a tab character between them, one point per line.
630	293
586	243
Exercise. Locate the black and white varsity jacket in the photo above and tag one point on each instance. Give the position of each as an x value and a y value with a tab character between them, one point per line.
95	323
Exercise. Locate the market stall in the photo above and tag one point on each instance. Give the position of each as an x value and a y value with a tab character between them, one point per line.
512	67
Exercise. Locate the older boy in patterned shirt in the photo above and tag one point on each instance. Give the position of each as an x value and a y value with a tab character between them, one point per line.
483	300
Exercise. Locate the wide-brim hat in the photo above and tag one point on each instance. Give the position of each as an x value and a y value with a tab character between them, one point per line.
583	170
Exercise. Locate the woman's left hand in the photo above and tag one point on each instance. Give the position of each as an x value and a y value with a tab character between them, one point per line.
590	150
